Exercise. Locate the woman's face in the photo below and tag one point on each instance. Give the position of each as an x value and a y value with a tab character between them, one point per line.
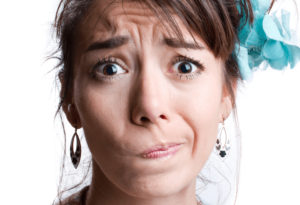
137	89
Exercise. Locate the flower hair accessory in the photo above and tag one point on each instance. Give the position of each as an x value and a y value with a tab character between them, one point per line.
265	43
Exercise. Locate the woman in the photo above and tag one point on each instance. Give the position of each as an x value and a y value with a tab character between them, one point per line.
149	82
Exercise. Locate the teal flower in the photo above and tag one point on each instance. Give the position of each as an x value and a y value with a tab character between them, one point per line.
264	41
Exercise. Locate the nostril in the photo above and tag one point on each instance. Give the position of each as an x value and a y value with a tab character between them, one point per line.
144	119
163	117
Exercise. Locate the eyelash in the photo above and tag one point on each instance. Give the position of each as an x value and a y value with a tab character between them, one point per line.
181	58
102	61
184	58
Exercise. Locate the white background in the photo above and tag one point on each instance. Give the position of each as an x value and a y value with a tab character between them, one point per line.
268	110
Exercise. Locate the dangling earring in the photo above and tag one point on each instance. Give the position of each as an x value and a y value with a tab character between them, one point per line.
75	157
223	150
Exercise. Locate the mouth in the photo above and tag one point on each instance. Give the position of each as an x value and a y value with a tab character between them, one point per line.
161	152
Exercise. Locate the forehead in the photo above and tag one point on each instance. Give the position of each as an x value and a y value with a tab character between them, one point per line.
109	18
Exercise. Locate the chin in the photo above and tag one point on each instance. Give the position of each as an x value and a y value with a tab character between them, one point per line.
157	185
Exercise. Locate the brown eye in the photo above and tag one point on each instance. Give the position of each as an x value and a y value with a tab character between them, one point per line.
185	68
110	69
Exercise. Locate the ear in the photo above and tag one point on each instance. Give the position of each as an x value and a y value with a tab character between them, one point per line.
72	115
227	102
70	110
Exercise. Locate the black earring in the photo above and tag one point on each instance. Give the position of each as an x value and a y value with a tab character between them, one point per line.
75	157
223	150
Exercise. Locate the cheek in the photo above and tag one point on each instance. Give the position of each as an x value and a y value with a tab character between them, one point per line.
102	115
200	108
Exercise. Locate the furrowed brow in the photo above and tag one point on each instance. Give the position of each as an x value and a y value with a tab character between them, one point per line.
176	43
114	42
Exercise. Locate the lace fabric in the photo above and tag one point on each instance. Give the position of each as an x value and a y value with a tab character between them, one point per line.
78	198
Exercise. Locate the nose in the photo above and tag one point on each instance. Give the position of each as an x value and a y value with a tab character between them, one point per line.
150	98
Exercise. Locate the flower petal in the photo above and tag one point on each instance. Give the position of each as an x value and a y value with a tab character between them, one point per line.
273	49
250	61
285	17
271	29
256	54
278	24
253	39
258	24
293	55
242	57
262	5
244	33
254	5
280	63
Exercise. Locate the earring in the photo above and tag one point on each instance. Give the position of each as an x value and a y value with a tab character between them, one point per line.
223	150
75	157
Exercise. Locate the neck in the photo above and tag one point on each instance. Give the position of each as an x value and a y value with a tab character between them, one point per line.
103	192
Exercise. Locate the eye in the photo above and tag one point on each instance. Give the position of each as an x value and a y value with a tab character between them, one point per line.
185	67
109	69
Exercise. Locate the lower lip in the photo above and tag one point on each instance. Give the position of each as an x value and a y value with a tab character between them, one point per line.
163	154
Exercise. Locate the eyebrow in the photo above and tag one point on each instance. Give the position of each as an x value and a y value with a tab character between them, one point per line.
176	43
114	42
119	41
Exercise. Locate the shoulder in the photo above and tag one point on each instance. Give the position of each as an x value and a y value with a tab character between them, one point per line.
77	198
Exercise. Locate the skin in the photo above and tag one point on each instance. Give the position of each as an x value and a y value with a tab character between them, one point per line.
149	102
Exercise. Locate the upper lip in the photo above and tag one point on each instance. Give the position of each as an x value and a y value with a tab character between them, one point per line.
162	147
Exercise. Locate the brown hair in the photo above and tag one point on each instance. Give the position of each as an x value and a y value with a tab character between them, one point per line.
216	21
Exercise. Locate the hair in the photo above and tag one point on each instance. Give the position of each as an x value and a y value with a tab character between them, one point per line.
217	22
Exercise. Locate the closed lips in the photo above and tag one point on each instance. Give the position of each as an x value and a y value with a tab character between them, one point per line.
162	152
